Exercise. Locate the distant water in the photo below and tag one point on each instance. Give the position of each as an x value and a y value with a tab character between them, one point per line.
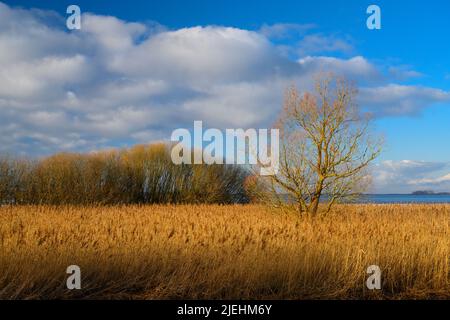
404	198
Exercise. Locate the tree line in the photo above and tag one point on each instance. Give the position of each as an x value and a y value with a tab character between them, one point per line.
141	174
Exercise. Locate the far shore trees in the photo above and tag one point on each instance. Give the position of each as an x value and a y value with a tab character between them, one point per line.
325	146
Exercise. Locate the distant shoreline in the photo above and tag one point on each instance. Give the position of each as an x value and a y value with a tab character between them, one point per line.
408	194
404	198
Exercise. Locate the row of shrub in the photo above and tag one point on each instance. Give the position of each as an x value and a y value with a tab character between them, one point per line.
142	174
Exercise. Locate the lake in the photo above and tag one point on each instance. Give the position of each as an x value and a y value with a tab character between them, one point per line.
404	198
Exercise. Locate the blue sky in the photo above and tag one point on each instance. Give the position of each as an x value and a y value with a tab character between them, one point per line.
82	90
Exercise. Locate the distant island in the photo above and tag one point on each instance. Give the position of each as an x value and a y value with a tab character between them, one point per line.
429	192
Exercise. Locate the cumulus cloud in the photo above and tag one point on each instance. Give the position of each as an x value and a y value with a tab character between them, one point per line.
117	82
319	43
403	73
279	31
432	181
396	100
406	176
357	68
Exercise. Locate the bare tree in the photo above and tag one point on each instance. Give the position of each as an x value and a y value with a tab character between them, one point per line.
325	146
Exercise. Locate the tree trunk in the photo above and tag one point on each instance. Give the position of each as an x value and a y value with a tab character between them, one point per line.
314	205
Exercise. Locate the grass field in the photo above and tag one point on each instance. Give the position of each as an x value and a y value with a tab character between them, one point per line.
208	251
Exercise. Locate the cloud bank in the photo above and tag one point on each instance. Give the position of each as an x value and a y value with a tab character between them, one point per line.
406	176
118	83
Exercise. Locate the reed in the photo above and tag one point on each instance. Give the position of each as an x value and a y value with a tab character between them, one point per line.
224	252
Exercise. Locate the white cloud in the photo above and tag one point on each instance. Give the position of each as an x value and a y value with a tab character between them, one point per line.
319	43
403	73
285	30
355	68
395	99
123	82
432	181
111	34
201	56
406	176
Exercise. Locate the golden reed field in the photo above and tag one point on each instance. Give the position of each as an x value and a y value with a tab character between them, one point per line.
224	252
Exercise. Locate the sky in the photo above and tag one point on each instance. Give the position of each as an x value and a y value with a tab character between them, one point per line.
137	70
